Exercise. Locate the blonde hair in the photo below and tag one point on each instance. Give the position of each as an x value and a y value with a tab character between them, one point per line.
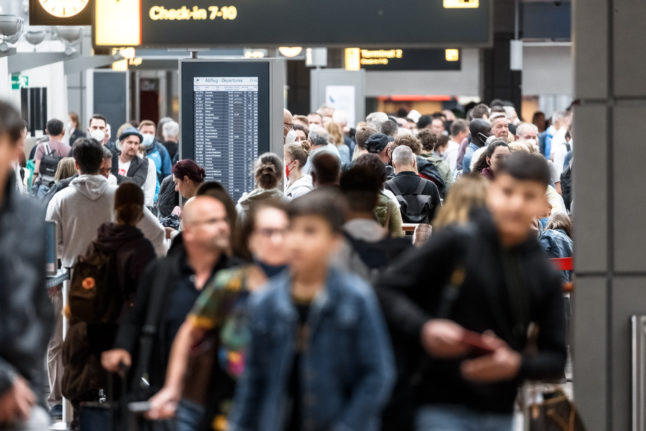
66	168
469	191
335	133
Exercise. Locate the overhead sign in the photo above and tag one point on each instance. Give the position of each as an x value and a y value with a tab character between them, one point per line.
365	23
60	12
402	59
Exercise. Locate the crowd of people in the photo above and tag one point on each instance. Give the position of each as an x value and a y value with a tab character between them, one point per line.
382	276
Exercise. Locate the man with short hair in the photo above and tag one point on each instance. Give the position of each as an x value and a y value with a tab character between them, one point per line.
288	122
327	114
528	133
326	169
55	148
376	119
499	125
179	279
314	119
470	295
362	134
459	132
78	211
437	126
170	134
319	142
480	131
98	129
154	150
26	312
418	198
389	128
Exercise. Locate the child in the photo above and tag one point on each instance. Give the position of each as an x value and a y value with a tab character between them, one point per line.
319	356
488	277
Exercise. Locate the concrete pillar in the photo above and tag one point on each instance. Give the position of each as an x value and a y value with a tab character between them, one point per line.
610	203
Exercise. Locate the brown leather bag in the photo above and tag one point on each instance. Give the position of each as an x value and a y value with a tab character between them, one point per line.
554	413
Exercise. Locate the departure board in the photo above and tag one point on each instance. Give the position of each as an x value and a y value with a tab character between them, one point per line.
225	119
226	129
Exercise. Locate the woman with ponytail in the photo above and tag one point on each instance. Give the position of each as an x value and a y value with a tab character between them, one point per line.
268	173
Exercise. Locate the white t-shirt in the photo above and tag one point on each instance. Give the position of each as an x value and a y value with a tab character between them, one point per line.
451	156
123	168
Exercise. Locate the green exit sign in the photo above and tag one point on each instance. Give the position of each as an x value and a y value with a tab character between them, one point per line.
19	81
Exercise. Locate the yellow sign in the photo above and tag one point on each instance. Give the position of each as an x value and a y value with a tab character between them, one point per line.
452	54
461	4
352	59
117	23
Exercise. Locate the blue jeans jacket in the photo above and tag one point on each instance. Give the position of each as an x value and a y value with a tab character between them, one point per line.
347	371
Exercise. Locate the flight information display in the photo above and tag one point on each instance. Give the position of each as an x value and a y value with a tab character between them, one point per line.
342	23
226	129
225	119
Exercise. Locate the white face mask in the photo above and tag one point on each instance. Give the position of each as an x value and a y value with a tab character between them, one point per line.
70	126
98	134
532	142
149	138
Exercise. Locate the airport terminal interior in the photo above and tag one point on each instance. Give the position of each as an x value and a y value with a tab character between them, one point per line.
336	215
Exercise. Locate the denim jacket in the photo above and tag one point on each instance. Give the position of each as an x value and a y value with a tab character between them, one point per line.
347	370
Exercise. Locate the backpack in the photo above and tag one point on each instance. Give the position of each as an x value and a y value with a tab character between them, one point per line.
48	164
566	186
429	171
92	297
378	254
416	207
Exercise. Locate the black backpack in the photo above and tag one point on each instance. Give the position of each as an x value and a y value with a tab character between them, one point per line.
416	207
92	297
48	164
428	170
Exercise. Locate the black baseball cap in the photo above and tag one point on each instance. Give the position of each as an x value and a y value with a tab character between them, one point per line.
377	142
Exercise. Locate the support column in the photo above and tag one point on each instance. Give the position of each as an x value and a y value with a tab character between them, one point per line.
610	204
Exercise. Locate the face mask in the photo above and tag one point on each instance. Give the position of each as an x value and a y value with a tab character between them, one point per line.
70	126
148	140
287	170
98	134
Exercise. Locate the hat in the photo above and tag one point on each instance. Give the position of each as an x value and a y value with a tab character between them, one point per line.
131	131
377	142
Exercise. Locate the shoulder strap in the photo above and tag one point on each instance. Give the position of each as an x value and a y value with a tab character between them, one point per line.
149	331
420	187
393	187
47	148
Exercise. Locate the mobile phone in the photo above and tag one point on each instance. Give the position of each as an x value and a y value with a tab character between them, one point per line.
139	406
477	344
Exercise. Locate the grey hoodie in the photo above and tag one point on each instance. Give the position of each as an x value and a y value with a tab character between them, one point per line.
79	211
249	199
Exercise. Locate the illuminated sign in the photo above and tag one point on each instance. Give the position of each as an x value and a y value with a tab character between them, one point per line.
117	23
402	59
340	23
461	4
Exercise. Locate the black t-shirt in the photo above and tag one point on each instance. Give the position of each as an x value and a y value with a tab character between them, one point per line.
294	396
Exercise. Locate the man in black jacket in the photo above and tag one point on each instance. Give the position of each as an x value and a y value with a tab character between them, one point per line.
168	289
419	198
26	312
470	295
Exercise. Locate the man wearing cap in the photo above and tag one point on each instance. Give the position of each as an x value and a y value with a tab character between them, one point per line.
131	167
381	145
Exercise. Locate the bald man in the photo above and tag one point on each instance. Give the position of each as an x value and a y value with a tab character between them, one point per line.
168	288
288	122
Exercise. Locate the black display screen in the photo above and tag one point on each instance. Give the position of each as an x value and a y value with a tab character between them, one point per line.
362	23
225	119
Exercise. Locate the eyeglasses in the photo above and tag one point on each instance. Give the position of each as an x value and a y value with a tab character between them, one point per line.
210	221
270	232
